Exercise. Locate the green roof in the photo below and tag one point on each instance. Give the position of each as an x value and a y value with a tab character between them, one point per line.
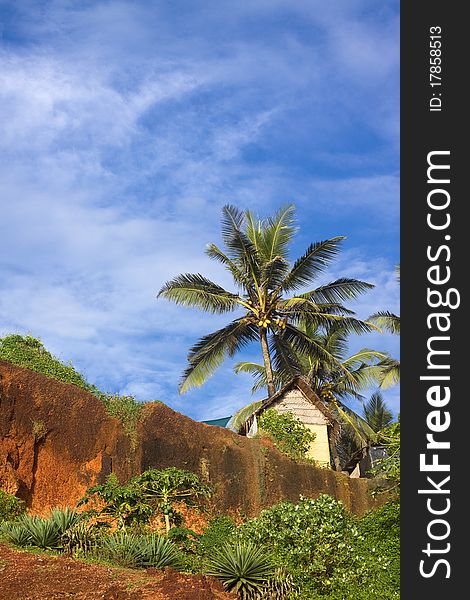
218	422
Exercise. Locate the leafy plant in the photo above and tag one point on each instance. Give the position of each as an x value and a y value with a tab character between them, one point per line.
314	540
242	567
160	552
290	435
389	467
11	507
64	518
15	533
133	551
171	485
43	533
216	534
127	409
79	538
126	503
153	490
122	548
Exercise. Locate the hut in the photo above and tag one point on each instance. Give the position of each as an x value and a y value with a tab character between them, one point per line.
298	398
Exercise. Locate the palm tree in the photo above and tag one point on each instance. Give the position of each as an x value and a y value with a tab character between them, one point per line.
257	257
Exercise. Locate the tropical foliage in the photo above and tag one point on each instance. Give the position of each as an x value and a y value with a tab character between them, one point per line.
11	507
376	413
242	567
269	295
290	435
134	551
152	491
389	322
27	351
329	553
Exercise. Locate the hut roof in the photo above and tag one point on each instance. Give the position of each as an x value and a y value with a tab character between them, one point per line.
308	393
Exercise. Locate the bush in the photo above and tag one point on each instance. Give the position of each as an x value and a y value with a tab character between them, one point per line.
11	507
79	538
314	539
290	435
330	553
242	567
217	532
64	518
43	533
27	351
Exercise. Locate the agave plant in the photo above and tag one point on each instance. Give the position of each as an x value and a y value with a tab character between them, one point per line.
16	533
123	548
159	552
133	551
64	518
43	533
242	568
79	538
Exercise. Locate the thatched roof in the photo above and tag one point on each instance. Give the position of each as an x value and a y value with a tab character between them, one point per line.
310	396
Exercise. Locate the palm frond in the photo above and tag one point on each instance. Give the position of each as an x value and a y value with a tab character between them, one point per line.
211	350
363	433
197	291
311	264
387	321
238	243
338	291
276	234
301	344
376	412
239	276
241	416
286	362
273	272
365	356
389	372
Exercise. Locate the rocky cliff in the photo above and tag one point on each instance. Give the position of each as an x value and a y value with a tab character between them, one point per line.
56	440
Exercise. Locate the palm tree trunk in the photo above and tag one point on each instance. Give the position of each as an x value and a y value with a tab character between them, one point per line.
267	362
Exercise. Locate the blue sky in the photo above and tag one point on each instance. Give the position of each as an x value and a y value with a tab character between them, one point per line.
127	125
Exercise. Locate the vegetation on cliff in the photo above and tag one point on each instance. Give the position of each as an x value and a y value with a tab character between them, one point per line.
29	352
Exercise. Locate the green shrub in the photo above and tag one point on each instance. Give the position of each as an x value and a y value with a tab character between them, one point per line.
27	351
79	538
314	539
217	532
290	435
331	554
127	503
155	490
11	507
242	567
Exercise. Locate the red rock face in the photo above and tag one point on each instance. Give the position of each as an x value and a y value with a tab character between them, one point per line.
56	440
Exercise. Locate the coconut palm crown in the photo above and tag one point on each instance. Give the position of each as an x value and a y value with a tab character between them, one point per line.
269	296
